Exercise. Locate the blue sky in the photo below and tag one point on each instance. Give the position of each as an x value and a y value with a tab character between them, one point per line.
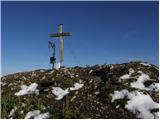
103	32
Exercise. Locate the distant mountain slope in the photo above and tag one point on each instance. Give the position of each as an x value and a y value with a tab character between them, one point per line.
129	90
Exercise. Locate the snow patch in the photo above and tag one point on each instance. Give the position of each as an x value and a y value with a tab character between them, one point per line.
12	112
145	64
156	115
36	115
57	66
142	104
131	71
127	76
111	67
140	81
42	71
59	92
77	86
154	87
139	103
51	72
117	106
96	93
33	74
28	90
43	116
121	94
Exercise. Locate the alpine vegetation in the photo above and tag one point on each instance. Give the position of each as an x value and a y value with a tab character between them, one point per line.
116	91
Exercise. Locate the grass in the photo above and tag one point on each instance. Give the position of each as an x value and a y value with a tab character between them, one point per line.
31	102
8	103
121	102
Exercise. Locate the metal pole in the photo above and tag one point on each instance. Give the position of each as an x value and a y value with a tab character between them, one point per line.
54	54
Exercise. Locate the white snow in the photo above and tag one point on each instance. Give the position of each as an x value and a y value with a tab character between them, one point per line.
145	64
42	71
77	86
143	104
43	116
12	112
111	67
28	90
59	92
156	115
51	72
33	74
117	106
127	76
139	103
131	71
121	94
96	93
141	79
36	115
32	114
154	87
57	66
140	83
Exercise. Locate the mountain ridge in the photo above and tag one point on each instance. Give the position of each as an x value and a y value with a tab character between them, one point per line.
99	91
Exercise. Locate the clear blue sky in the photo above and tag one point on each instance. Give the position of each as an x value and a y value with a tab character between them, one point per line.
103	32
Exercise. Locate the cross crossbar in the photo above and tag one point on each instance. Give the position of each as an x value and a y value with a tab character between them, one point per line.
60	34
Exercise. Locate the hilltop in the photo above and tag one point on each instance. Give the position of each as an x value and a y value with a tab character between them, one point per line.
128	90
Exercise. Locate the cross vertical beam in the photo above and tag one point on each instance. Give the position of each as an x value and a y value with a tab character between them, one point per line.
60	44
